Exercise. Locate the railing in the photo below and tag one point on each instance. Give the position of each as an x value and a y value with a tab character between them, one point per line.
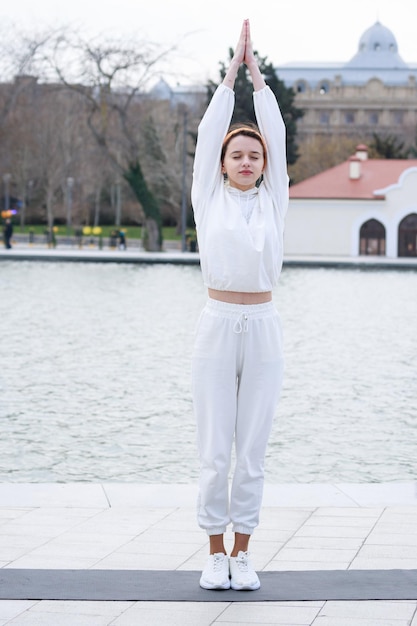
86	241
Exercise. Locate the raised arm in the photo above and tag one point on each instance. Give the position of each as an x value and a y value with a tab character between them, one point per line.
238	57
252	63
272	127
214	126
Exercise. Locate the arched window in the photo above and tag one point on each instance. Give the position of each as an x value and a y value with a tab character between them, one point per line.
324	87
301	86
407	236
372	238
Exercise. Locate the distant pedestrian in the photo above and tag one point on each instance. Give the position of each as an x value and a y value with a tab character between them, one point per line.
113	238
8	233
122	240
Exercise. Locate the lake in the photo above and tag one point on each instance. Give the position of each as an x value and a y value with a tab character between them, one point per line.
95	374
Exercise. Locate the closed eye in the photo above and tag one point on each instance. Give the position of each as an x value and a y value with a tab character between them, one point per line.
237	155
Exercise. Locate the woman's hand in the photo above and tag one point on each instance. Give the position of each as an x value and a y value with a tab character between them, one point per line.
249	57
240	51
244	54
252	63
238	57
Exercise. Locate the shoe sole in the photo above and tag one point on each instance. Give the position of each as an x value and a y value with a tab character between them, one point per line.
210	587
253	587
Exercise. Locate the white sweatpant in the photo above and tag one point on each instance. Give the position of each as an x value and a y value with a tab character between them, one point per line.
237	376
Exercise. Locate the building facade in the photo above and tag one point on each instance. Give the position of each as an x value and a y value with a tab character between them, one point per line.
374	92
359	207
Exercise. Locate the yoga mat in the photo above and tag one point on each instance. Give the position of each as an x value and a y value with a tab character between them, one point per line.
182	586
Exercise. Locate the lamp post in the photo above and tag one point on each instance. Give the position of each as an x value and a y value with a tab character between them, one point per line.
70	184
184	182
118	202
6	180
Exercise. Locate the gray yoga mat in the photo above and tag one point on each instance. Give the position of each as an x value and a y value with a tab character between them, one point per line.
182	586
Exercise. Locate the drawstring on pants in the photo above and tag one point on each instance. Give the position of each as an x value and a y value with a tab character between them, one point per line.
241	324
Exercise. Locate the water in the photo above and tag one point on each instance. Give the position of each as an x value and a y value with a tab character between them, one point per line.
95	374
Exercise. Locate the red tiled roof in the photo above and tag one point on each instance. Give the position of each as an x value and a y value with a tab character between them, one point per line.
335	183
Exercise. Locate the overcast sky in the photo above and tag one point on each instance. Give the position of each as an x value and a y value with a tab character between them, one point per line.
284	31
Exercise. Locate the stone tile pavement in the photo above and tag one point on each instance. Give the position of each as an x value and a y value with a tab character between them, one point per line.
131	526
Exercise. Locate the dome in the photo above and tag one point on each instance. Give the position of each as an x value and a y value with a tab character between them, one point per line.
377	49
162	90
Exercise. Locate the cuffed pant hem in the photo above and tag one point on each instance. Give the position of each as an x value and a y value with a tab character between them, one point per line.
220	530
243	530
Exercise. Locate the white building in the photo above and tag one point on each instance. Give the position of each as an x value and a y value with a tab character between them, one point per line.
362	206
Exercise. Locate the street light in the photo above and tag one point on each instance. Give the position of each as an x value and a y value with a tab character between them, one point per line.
6	179
118	216
70	184
184	180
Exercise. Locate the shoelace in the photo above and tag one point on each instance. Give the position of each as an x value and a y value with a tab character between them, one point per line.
246	210
251	198
218	562
242	562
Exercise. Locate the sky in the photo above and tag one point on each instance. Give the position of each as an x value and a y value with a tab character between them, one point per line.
282	30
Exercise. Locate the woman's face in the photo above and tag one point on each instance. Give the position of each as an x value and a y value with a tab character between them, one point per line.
243	162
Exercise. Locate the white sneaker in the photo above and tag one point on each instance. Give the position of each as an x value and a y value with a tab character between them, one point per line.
243	575
216	572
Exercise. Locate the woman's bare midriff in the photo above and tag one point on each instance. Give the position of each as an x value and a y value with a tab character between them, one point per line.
240	297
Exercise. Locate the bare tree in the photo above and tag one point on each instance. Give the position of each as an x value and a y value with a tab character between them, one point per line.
21	57
59	137
110	77
320	152
80	108
18	148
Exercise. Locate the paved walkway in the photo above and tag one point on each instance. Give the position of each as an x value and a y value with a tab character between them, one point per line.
131	526
173	254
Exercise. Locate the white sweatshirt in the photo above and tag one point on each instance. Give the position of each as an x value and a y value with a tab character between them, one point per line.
237	254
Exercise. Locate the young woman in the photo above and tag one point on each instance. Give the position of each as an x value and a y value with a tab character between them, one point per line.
237	360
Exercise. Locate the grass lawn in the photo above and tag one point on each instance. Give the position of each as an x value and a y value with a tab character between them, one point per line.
132	232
